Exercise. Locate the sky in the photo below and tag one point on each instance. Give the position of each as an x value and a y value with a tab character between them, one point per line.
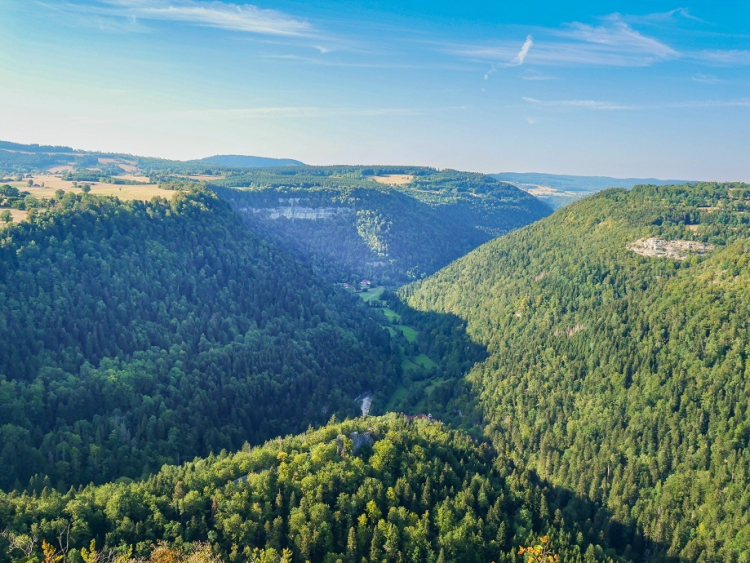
649	88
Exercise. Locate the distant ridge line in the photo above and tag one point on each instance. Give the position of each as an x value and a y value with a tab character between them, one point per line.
243	161
581	183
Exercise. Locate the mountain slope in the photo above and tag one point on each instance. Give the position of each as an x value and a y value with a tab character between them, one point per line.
136	334
618	372
392	224
375	489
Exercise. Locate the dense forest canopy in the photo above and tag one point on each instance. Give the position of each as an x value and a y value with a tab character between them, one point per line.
596	361
394	224
614	371
372	490
136	334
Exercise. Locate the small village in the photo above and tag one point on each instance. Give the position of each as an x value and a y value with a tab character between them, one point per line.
363	285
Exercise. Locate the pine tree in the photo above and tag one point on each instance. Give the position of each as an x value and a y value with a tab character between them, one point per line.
351	546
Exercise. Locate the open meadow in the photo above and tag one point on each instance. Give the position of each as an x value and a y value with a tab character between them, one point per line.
17	214
392	179
45	186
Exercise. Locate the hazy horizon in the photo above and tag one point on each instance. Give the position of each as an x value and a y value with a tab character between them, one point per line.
358	164
639	89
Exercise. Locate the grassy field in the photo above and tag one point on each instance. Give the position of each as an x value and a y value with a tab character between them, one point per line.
425	361
418	363
125	192
17	214
372	294
135	178
392	179
390	314
205	177
407	365
127	165
408	332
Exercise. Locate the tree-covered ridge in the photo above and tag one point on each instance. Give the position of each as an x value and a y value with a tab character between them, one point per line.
350	224
137	334
29	158
619	376
243	161
373	490
437	187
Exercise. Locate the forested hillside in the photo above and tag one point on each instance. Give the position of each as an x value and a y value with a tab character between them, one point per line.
618	337
137	334
372	490
391	224
609	345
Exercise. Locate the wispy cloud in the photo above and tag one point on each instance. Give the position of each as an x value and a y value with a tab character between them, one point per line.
293	112
362	64
659	17
617	36
273	113
736	103
727	57
534	76
598	105
521	56
707	78
241	18
584	104
517	60
613	43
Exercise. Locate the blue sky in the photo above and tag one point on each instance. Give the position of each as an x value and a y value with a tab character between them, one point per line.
648	88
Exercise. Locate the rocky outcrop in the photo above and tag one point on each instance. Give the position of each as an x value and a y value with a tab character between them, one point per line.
676	249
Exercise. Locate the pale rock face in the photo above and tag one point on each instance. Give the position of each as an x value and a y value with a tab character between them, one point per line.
289	208
294	212
676	249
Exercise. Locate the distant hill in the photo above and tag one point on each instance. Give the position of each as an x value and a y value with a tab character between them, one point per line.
580	183
22	158
618	337
560	189
8	146
392	224
241	161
